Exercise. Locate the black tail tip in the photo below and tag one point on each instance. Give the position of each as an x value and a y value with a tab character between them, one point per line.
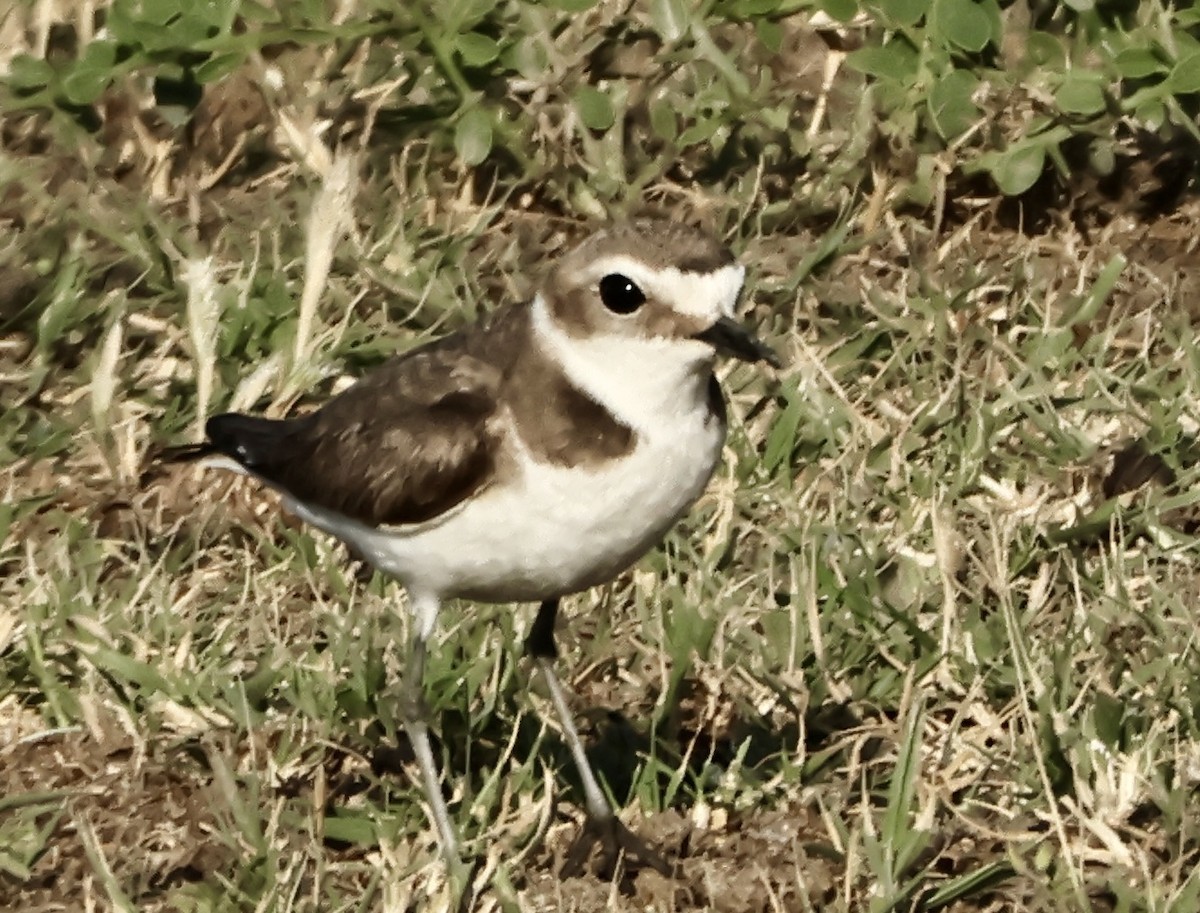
252	441
221	434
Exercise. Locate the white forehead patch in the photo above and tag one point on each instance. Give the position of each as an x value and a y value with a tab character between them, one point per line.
706	295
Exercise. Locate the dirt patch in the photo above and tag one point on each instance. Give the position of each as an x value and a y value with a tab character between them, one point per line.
776	859
74	807
758	861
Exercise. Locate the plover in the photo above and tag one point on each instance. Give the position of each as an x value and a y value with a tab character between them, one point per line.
533	455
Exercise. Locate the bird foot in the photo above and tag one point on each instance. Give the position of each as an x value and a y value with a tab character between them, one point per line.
615	841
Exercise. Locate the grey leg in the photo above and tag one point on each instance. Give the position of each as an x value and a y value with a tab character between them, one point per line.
415	718
603	826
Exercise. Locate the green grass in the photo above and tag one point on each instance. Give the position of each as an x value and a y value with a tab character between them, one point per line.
905	654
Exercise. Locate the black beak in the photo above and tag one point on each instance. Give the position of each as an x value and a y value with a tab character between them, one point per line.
729	337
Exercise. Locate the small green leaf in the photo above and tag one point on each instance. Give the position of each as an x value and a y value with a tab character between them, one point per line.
841	10
190	29
770	34
904	12
254	11
477	50
525	56
1045	50
1102	155
347	827
1016	170
663	121
1185	75
26	72
750	9
1138	63
896	60
92	74
1080	93
1107	716
473	136
119	22
156	12
950	106
700	131
146	36
217	67
595	108
670	18
1185	43
963	23
1152	113
219	14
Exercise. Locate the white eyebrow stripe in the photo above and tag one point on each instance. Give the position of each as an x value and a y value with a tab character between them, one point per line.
707	295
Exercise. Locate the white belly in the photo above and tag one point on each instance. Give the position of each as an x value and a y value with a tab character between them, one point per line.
549	530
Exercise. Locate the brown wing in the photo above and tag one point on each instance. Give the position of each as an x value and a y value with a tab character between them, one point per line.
403	445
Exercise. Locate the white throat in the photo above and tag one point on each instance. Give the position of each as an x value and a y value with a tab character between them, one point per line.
641	381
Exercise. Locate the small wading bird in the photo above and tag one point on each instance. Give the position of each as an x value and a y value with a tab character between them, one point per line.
535	454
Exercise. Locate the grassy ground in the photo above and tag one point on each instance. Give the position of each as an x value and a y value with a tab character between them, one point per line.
928	641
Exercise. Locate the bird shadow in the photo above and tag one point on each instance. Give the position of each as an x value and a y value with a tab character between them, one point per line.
676	761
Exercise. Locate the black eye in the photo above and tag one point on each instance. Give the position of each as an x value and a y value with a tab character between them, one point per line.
620	294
